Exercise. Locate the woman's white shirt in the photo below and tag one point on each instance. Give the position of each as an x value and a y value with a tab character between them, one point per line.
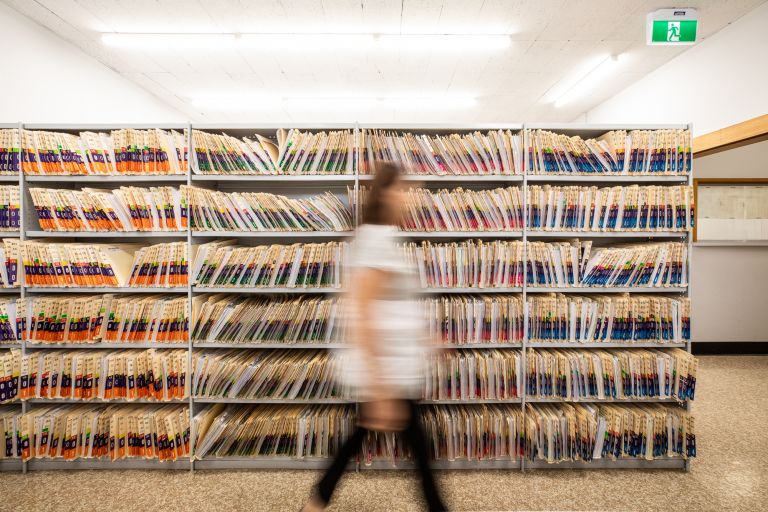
397	319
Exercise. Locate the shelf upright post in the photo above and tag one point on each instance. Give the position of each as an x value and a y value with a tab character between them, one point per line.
356	221
524	193
22	237
190	377
689	233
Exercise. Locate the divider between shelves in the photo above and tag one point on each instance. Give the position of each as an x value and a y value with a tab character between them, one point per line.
22	237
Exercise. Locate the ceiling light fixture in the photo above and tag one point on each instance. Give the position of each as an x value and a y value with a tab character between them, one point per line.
255	102
589	80
171	41
308	42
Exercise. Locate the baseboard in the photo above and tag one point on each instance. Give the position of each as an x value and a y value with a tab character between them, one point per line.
730	347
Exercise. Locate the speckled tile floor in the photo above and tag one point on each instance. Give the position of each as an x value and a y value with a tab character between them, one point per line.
731	473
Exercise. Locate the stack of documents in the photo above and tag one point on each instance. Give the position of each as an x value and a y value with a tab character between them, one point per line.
98	432
620	318
272	430
628	208
122	209
232	319
222	264
102	318
615	152
498	152
95	374
611	375
212	210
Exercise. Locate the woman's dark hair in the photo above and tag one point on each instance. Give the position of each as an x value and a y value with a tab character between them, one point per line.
374	210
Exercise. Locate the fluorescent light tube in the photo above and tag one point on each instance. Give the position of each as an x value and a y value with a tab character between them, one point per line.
382	102
256	102
307	42
171	41
453	42
583	86
310	42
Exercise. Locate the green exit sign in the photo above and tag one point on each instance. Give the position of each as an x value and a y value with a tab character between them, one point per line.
671	26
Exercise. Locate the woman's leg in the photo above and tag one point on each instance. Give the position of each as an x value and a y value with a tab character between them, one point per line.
333	474
414	436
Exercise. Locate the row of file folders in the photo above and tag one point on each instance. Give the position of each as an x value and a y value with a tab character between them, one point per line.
551	208
164	375
551	433
466	264
235	320
296	152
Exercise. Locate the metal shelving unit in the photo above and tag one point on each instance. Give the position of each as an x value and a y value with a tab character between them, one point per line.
321	182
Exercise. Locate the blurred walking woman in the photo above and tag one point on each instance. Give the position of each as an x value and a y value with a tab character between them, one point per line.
389	338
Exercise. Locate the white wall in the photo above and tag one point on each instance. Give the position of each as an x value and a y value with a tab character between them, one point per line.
719	82
62	84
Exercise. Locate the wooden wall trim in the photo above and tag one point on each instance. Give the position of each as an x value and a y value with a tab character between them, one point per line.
739	132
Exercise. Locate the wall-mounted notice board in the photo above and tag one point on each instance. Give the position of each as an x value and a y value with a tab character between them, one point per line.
731	209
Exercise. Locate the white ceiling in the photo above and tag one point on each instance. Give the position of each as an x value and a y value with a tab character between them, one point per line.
551	40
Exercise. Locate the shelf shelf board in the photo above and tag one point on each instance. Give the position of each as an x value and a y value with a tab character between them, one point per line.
273	234
442	464
9	178
261	401
136	463
15	289
302	346
101	401
607	345
281	178
454	178
548	400
468	346
96	346
665	463
91	178
105	127
670	289
437	291
10	234
607	178
267	401
459	234
451	401
108	234
102	289
265	291
264	462
339	346
10	465
606	234
602	127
